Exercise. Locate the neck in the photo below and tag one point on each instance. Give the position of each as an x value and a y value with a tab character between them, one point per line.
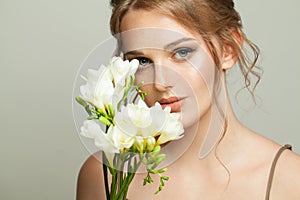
210	145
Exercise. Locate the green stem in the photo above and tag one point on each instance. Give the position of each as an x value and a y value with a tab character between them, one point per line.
113	185
105	176
116	177
128	179
121	178
126	191
129	168
125	186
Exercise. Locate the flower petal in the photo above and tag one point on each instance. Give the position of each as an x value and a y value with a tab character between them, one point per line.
90	129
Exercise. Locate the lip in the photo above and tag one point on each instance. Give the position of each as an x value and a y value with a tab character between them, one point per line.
175	103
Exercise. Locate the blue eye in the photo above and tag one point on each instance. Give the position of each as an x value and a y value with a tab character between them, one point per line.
182	53
143	61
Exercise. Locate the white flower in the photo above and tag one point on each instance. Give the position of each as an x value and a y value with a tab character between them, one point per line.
103	141
172	129
111	142
90	129
121	140
117	96
133	124
106	85
122	70
139	114
99	87
140	120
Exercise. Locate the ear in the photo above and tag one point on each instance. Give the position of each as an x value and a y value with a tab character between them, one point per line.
229	56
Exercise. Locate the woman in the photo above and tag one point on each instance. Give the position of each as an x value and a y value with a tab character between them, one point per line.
184	48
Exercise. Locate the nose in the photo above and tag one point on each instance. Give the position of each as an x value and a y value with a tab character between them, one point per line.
161	82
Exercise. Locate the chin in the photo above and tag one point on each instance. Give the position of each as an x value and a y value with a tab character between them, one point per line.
189	123
194	115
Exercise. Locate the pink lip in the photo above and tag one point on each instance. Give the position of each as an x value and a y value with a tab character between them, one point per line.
173	102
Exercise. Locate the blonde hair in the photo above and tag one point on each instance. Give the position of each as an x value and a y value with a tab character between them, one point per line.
211	19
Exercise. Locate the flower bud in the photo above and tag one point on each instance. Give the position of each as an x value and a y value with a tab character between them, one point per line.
164	178
160	158
81	101
139	144
150	143
104	121
156	150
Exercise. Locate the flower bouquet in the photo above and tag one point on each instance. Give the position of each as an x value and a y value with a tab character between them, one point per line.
123	127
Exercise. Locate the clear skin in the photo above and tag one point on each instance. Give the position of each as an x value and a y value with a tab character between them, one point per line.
167	69
247	155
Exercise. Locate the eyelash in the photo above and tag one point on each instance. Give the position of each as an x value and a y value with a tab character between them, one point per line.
175	53
186	50
141	59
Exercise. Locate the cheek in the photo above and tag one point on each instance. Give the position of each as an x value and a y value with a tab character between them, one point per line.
203	99
204	96
196	84
200	99
151	97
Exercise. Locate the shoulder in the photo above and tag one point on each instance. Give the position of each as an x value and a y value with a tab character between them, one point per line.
286	181
90	184
286	178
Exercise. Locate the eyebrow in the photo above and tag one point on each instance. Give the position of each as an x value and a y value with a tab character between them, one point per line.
166	47
172	44
134	52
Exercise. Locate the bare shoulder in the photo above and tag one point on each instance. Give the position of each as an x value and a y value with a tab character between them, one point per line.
286	179
90	184
286	184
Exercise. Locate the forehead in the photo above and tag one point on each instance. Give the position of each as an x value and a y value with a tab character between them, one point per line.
149	29
135	19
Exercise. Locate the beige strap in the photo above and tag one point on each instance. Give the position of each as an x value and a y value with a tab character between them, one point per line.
271	175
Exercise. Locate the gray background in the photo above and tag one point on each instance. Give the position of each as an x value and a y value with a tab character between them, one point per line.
42	44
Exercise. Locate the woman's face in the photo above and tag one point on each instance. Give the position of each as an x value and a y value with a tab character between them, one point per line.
174	64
